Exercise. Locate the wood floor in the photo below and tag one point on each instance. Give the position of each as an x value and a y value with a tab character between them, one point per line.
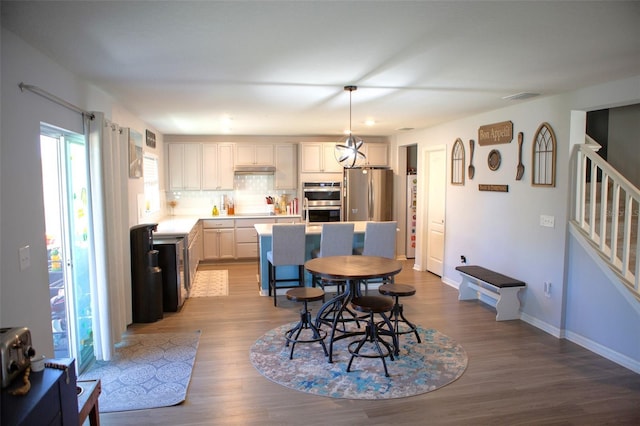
516	375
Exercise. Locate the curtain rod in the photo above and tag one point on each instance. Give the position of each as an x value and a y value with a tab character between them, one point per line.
54	98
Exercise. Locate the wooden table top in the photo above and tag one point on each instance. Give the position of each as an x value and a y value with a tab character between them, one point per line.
353	267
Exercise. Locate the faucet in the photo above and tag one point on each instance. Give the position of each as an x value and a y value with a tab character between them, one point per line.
305	208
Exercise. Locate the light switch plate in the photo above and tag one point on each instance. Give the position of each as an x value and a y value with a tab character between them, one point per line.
25	257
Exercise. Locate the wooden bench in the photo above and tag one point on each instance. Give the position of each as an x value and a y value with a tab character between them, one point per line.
492	288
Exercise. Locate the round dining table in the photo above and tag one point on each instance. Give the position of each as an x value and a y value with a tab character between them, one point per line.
350	269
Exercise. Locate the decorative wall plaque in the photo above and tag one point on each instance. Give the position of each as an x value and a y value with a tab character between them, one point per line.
151	139
493	188
135	154
497	133
494	159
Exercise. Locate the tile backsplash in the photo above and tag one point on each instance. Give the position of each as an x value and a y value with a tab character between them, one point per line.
249	197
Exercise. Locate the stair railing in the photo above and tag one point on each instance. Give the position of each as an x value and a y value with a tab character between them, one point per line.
606	209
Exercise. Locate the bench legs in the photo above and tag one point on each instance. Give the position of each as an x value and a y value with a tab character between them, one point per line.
508	305
504	299
465	291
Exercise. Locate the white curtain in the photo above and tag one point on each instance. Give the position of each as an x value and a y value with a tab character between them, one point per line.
111	271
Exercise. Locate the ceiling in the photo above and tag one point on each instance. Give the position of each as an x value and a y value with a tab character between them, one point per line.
279	67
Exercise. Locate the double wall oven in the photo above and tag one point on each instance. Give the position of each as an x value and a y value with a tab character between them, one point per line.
322	201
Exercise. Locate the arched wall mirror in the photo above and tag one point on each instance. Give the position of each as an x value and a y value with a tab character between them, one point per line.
457	163
544	157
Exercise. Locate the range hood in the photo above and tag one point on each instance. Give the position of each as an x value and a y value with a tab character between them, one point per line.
254	170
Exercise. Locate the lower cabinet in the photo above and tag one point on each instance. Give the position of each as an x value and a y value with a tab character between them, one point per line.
247	237
219	243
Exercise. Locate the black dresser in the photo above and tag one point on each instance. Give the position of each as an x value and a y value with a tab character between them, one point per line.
52	399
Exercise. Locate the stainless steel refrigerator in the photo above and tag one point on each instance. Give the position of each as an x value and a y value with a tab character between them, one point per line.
368	194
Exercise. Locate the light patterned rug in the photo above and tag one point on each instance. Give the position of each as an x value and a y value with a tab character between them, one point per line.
147	371
420	368
210	283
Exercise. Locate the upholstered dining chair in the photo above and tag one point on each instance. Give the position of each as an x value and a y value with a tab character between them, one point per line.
336	239
379	240
287	249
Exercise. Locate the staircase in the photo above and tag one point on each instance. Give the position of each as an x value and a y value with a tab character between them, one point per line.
605	211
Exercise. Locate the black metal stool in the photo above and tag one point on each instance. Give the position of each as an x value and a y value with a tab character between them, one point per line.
397	314
305	295
372	305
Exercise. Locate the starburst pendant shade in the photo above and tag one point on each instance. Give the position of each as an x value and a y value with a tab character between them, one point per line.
348	152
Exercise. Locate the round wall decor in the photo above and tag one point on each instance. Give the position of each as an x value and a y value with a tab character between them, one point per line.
494	159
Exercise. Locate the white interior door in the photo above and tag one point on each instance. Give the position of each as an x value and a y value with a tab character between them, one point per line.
436	170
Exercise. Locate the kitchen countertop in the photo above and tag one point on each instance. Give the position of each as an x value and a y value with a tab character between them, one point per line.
180	226
265	229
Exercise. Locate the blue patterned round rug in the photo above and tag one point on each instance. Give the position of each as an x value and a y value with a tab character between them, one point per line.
420	367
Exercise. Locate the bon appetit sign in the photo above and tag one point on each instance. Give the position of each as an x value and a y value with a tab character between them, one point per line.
493	134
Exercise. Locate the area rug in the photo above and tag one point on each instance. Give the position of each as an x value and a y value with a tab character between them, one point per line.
209	283
147	371
420	367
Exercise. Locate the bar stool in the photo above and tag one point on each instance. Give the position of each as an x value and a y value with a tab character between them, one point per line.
397	315
379	240
305	295
372	305
287	249
336	239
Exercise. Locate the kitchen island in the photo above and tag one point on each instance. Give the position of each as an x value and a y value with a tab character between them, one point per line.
313	232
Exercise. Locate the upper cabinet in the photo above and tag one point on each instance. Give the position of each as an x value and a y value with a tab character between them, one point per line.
196	166
286	176
254	155
319	157
375	153
185	167
217	166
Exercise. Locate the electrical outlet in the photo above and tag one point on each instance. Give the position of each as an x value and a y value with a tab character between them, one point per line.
547	288
547	221
463	259
25	257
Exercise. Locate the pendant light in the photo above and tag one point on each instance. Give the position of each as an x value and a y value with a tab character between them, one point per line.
347	152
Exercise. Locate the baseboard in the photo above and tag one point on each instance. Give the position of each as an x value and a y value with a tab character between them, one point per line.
544	326
618	358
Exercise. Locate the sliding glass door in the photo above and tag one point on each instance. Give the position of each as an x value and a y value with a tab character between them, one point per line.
66	201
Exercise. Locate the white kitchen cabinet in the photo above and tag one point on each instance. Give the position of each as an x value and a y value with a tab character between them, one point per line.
195	250
376	154
247	237
217	166
219	239
286	176
185	166
254	155
219	244
319	157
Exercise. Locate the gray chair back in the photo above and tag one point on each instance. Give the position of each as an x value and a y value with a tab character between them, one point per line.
336	239
288	243
380	239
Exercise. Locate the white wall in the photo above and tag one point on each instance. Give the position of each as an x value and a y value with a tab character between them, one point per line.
501	231
24	295
498	230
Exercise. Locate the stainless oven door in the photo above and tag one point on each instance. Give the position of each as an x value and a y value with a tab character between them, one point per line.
324	214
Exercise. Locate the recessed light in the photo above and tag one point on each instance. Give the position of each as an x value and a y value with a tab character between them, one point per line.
370	122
